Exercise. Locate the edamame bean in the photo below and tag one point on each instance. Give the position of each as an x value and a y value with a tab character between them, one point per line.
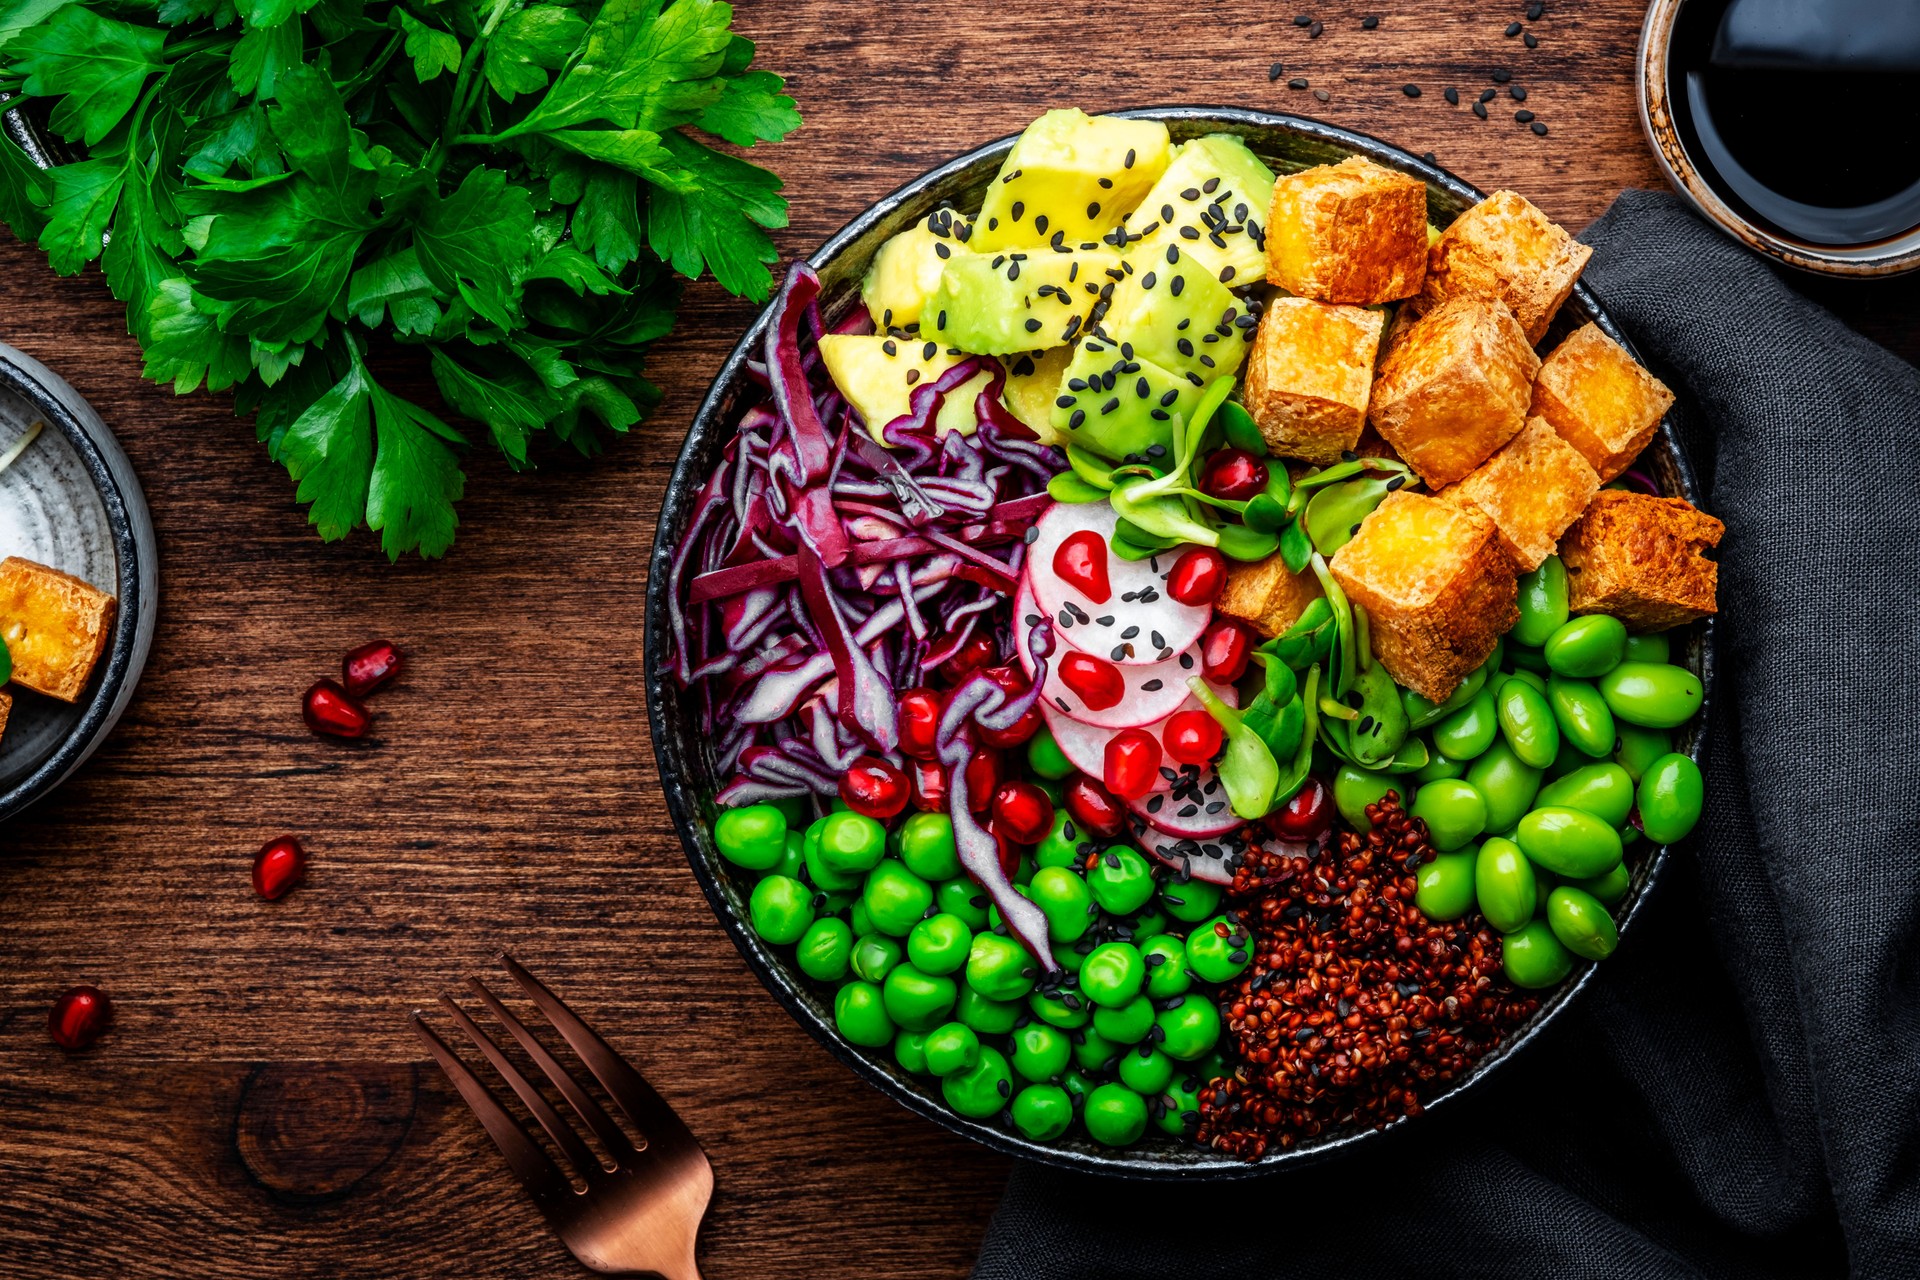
1217	951
1569	842
1041	1052
1609	887
1671	794
940	944
851	843
1045	758
1581	923
781	908
1542	602
927	848
1053	1008
1189	1027
916	1000
1421	713
1191	902
1446	886
1113	974
1060	847
1454	811
753	836
1533	678
1504	883
1640	748
1603	790
987	1017
860	1015
895	898
1093	1051
1507	785
1145	1070
1355	788
1468	731
825	949
1586	647
1435	769
1528	723
965	900
1585	719
1042	1112
910	1051
1523	658
950	1047
1115	1115
1657	695
982	1089
1063	896
1166	960
1533	957
1649	648
1128	1024
1121	880
1000	968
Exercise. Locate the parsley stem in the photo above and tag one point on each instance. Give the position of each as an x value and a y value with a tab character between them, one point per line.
372	69
194	44
464	91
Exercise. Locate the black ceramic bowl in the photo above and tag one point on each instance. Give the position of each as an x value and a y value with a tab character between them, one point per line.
1288	144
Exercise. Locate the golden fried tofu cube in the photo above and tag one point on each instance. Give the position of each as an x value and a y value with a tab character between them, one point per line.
1350	232
1534	488
1506	250
6	709
1454	389
1309	377
1438	588
55	626
1642	559
1600	400
1266	595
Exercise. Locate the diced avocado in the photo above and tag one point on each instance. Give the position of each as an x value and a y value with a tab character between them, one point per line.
1033	380
1070	176
1179	316
906	270
1117	404
877	375
1211	204
1015	301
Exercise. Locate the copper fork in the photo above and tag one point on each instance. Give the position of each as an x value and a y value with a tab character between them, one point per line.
640	1210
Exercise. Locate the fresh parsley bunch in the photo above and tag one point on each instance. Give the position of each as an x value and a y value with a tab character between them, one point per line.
284	186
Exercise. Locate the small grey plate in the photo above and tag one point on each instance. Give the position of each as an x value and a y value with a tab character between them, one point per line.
71	501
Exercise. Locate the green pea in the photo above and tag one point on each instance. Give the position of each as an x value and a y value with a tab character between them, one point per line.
797	810
1121	880
824	950
1355	788
1586	647
1542	602
852	842
1128	1024
1149	920
1115	1115
1437	769
1000	968
1113	974
1045	758
1145	1070
895	898
1533	957
1042	1112
981	1090
1654	694
1191	902
1603	790
1063	897
1078	1085
860	1014
1586	721
1610	887
824	876
793	856
1071	958
910	1051
1504	884
1671	794
1445	889
754	837
940	944
1468	731
1023	871
1093	1051
1649	648
1454	811
918	1000
988	1017
1041	1052
1189	1027
1507	785
873	955
1640	748
951	1047
1180	1106
964	900
1569	842
1054	1009
1060	847
926	846
781	908
1217	951
1581	923
1166	961
1527	720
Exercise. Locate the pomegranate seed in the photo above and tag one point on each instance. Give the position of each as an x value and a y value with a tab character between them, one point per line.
1097	681
1197	576
874	787
919	719
1192	737
1081	563
1022	811
278	867
79	1017
369	667
970	657
982	776
1132	763
1094	808
929	779
1015	684
1233	475
1308	814
329	709
1223	651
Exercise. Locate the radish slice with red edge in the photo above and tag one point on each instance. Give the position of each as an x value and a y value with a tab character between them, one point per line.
1139	614
1153	692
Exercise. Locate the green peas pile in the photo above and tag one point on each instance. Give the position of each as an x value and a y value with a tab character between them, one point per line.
1121	1041
1535	769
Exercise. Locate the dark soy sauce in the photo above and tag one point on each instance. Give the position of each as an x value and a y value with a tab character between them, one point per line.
1804	114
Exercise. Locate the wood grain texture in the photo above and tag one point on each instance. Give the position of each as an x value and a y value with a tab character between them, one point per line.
259	1108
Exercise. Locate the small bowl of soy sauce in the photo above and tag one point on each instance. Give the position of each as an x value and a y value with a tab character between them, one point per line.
1793	124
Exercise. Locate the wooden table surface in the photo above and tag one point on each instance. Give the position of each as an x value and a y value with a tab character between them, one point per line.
260	1108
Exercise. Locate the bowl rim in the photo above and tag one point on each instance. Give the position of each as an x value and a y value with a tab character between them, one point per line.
136	586
778	976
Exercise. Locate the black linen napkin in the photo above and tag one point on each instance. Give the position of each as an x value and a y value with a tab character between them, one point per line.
1738	1093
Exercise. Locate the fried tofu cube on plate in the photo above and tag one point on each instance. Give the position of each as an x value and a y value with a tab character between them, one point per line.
1351	232
1534	488
1438	588
6	709
1454	388
55	626
1310	375
1642	559
1600	400
1506	250
1266	595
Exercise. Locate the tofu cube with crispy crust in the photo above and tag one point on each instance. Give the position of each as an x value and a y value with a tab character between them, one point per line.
1534	488
1600	400
1438	589
6	709
1351	232
1642	559
1505	250
1454	388
55	626
1266	595
1309	377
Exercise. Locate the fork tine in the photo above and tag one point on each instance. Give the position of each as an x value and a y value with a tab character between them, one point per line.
559	1130
529	1164
582	1102
633	1095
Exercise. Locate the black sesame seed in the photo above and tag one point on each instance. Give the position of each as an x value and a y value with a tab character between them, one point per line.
1501	75
1147	282
913	376
1411	90
1451	94
1298	82
1539	128
1519	92
1523	116
1040	223
1110	405
1513	29
1093	210
1274	72
1019	207
1179	284
1429	157
1322	95
1313	32
1303	20
1369	22
932	349
1480	109
1530	40
1535	10
1079	417
890	347
1129	160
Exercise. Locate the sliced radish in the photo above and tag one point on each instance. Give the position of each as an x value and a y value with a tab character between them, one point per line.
1138	623
1153	692
1198	810
1085	745
1210	858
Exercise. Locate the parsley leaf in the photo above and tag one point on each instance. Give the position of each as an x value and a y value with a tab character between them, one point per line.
475	242
98	63
431	49
714	227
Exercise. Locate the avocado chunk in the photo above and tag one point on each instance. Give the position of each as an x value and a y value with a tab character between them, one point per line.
1069	180
1016	301
1115	403
877	375
1211	204
1033	380
906	270
1176	314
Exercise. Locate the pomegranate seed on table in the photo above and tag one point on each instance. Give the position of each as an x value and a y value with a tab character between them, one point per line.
1097	681
1081	563
929	780
369	667
79	1018
1015	684
278	867
874	787
1093	807
1197	576
1224	649
1192	737
1022	811
1308	814
982	775
970	657
919	719
1233	475
330	709
1132	764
